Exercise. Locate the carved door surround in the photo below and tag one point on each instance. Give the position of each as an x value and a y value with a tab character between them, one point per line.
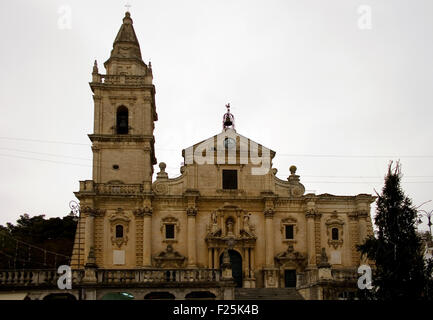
230	227
290	260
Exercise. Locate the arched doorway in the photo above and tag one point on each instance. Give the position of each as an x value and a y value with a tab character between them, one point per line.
236	262
158	295
200	295
118	296
60	296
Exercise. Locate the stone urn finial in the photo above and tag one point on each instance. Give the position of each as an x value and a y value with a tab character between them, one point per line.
293	178
293	170
162	174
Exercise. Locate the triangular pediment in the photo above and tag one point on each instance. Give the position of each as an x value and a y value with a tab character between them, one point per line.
228	141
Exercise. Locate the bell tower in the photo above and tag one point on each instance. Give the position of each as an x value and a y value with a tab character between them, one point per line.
124	114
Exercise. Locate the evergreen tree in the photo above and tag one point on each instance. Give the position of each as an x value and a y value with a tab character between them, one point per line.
23	244
400	269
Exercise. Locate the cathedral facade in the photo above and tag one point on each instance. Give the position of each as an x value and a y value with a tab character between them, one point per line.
227	212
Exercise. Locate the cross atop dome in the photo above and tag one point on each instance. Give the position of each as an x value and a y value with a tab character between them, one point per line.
228	119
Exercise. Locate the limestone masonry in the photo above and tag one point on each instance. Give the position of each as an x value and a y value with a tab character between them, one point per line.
222	214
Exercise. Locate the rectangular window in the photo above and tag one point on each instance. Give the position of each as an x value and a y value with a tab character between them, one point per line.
335	234
169	231
289	232
230	179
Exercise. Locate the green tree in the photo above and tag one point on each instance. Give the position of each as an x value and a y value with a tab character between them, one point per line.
33	241
401	271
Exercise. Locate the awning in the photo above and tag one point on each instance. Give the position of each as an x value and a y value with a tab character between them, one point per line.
13	296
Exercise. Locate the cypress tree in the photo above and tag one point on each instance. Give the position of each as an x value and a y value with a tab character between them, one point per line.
400	269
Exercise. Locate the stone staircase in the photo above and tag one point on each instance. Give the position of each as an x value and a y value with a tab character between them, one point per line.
267	294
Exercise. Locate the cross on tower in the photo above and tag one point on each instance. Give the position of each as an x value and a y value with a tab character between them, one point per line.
128	6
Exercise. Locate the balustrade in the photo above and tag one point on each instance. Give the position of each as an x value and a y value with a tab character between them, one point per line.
20	278
122	189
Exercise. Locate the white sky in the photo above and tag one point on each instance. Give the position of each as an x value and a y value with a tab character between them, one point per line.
301	76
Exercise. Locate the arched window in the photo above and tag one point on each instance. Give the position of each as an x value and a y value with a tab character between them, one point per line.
122	120
119	231
334	233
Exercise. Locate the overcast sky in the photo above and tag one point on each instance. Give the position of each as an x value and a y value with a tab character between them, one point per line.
332	92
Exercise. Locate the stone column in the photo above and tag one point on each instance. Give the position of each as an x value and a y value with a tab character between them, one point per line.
215	258
311	242
209	251
192	249
96	175
252	261
247	262
147	236
363	215
89	233
269	233
148	168
354	237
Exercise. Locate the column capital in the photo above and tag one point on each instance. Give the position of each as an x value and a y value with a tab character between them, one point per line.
362	214
191	211
312	214
353	215
141	212
269	213
93	212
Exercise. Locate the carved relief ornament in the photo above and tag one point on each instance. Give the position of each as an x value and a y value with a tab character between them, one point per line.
116	219
334	222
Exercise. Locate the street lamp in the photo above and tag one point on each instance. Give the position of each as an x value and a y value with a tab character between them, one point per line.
76	213
428	215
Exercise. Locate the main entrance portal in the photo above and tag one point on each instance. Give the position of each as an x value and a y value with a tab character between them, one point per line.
290	278
236	262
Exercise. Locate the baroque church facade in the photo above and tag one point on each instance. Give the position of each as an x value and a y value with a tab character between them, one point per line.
227	212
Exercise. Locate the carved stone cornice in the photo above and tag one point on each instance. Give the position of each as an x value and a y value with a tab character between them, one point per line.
191	211
120	138
93	212
141	212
